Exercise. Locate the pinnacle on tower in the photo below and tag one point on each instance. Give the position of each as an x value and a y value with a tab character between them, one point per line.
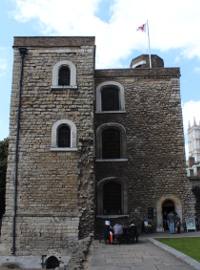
189	126
194	121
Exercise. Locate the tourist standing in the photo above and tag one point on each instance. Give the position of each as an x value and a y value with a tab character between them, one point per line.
171	218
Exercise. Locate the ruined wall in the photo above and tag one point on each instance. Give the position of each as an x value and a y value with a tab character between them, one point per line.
154	141
55	200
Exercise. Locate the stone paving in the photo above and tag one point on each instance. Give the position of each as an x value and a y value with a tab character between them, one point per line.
147	254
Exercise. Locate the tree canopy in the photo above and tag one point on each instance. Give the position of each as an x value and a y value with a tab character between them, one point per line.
3	167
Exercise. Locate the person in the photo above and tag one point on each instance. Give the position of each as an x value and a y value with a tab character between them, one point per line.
178	224
118	229
132	230
107	230
165	221
171	218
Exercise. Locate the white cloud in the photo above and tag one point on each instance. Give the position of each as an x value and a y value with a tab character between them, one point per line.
197	69
3	64
3	67
172	25
177	59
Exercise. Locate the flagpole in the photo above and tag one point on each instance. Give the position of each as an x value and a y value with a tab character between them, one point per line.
149	44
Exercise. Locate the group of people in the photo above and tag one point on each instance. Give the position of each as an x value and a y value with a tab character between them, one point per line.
172	221
118	229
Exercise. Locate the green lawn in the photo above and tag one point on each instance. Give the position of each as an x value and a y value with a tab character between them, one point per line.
188	246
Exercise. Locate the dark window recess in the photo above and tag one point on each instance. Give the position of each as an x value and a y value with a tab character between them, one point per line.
64	136
110	143
110	99
52	263
64	76
112	199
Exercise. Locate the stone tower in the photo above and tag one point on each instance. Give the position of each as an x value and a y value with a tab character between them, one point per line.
193	133
53	176
87	145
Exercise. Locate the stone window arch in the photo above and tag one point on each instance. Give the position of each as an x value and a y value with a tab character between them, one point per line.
177	208
64	136
110	92
69	76
120	195
110	143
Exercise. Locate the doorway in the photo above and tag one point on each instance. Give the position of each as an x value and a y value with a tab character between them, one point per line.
167	207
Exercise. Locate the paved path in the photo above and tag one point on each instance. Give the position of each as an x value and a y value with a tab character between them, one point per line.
147	254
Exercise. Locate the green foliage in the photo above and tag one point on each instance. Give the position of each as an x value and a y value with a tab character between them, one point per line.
3	167
189	245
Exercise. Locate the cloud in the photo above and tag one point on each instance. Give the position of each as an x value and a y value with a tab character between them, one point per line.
172	25
197	69
3	64
3	67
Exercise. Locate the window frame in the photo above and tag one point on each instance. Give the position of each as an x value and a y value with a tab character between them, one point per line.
60	135
99	131
55	75
105	97
108	84
124	196
61	69
73	136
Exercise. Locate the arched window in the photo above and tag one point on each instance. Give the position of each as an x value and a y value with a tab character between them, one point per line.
111	143
64	136
112	196
112	199
52	263
110	98
64	76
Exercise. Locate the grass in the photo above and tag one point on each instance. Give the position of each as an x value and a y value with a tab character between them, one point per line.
189	246
9	266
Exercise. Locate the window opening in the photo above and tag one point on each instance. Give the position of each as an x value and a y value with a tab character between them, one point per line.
64	76
64	136
112	199
111	143
52	263
110	99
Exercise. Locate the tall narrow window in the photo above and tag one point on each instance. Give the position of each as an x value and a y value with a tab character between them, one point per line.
64	76
110	99
64	136
110	143
112	199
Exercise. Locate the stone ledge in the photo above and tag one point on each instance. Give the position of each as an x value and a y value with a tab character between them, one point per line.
112	160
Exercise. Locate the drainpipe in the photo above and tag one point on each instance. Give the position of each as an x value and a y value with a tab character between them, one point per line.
22	52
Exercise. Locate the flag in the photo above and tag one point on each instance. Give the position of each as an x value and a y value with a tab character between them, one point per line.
142	28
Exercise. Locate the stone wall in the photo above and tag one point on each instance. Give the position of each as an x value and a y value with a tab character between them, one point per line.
55	197
154	140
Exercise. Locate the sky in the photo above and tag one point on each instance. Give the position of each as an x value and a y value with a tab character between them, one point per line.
173	31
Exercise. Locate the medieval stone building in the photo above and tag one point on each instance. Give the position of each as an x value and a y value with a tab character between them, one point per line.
88	145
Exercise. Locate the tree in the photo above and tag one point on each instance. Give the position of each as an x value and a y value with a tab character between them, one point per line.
3	167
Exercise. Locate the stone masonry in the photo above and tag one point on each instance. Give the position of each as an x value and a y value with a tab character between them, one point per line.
155	166
61	191
55	197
